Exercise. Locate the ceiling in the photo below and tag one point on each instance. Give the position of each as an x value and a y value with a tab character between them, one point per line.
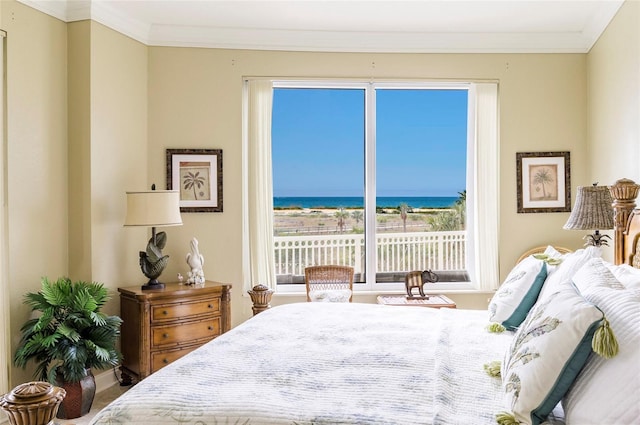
420	26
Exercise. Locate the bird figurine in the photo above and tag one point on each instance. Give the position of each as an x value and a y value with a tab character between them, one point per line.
195	260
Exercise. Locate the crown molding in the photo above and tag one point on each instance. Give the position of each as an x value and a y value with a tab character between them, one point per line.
600	21
96	10
103	12
56	8
329	41
370	42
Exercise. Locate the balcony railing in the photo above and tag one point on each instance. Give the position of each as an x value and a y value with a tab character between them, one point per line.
396	252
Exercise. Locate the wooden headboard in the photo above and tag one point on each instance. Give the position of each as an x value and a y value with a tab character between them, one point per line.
627	222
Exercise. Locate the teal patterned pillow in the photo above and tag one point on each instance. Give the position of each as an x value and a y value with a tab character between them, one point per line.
546	355
518	293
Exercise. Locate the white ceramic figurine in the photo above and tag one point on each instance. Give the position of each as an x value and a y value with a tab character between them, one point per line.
195	260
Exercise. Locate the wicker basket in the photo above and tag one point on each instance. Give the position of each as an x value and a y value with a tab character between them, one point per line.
33	403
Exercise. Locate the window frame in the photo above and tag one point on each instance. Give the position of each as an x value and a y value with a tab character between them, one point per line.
369	89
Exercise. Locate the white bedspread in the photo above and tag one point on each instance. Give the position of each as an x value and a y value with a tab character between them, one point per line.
323	363
464	393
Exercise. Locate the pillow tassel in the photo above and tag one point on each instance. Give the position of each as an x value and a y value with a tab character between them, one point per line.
506	418
604	342
493	368
496	328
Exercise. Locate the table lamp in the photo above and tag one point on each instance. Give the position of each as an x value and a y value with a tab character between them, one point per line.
593	210
153	208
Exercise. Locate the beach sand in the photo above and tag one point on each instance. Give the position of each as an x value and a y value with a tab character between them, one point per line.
323	221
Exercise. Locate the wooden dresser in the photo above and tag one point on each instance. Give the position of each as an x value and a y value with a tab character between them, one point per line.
159	326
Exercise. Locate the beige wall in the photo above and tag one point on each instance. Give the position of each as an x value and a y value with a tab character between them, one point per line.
118	155
5	342
613	68
37	155
195	102
108	154
79	107
77	140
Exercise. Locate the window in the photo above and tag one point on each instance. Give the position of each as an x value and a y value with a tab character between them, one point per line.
318	159
421	171
385	177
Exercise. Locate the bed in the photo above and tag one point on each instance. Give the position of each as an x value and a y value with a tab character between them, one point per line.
350	363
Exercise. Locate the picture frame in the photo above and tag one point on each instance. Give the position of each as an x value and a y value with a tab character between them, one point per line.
544	182
197	175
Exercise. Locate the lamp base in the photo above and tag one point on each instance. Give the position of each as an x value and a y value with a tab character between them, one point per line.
152	284
596	239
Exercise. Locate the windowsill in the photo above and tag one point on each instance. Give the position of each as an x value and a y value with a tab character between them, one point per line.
431	292
443	291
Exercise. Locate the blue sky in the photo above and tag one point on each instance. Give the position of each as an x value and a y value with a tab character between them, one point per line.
318	142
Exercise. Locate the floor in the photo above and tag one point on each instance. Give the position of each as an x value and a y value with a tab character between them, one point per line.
99	402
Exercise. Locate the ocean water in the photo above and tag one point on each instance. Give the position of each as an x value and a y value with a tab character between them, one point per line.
358	201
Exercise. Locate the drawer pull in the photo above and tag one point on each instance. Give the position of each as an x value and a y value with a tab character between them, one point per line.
210	328
210	306
165	361
165	335
165	312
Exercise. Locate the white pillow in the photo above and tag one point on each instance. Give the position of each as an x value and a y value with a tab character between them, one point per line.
561	275
330	295
627	275
607	391
518	293
547	353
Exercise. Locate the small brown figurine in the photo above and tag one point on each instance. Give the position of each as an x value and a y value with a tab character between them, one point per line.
417	279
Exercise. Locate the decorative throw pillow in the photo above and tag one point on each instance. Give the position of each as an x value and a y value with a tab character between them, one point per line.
627	275
546	354
518	293
561	275
330	295
607	390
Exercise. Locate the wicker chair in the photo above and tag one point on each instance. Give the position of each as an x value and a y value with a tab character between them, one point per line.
331	277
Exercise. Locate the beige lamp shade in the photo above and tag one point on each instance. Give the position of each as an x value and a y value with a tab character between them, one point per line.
153	208
593	209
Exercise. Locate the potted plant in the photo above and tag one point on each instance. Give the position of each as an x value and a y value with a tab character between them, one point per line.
70	337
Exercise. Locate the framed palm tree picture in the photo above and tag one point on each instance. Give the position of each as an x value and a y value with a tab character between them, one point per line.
544	183
197	174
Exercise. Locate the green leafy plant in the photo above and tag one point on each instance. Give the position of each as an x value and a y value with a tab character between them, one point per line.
71	334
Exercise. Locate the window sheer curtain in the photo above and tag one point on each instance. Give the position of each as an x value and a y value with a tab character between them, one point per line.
485	186
258	255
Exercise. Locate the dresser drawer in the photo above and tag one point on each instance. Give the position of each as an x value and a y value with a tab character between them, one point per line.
184	310
181	333
160	359
162	325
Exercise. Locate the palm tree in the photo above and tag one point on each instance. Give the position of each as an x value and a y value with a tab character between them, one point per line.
341	215
542	177
404	209
444	221
191	180
357	215
451	220
460	207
